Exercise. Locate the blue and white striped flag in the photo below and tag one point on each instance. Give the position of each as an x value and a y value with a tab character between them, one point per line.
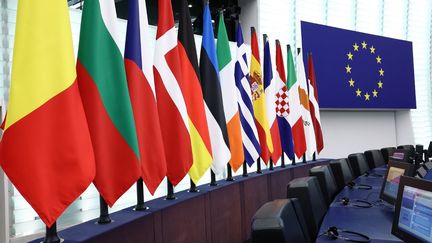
249	131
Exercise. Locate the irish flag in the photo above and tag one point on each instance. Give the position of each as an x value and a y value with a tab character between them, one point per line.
46	149
229	96
104	92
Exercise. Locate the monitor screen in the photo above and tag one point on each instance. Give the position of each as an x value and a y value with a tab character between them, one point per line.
413	214
390	185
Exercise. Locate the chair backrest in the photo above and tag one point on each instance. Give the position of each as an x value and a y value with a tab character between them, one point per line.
308	191
281	221
358	164
341	172
386	152
326	181
374	158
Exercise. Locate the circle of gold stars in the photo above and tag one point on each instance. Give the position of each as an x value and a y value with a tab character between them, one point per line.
348	69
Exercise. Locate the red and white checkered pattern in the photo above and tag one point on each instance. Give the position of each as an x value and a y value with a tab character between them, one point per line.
282	107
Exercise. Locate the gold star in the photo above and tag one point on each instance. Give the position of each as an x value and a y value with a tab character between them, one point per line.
375	93
378	59
381	71
351	82
356	47
350	56
348	69
380	84
358	92
367	95
364	45
372	49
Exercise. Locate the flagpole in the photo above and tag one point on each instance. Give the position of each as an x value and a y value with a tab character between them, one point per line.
245	173
304	158
229	176
193	187
271	164
213	178
104	217
314	156
140	206
170	191
294	160
258	171
283	159
51	234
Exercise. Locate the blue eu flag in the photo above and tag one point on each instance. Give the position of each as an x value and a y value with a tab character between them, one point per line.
360	71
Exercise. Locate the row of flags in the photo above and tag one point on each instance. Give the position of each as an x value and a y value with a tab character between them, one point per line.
111	120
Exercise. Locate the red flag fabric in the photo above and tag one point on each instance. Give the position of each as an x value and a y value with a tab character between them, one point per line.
314	106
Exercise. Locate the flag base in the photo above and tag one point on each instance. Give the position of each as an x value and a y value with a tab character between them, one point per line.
271	165
245	173
140	206
213	178
170	194
283	160
51	234
193	187
229	171
104	217
258	171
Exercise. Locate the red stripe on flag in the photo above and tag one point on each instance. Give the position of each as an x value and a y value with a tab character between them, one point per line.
299	138
2	126
115	172
176	138
153	161
277	149
265	153
316	123
48	154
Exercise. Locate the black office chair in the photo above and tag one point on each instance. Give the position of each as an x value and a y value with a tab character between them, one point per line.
280	221
326	181
386	152
308	191
341	172
358	164
374	158
409	147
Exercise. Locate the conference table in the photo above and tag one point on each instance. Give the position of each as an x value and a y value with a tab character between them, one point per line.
375	222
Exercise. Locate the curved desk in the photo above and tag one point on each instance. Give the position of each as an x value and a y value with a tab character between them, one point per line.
375	222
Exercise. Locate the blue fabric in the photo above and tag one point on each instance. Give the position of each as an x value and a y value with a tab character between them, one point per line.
268	72
133	39
208	40
330	48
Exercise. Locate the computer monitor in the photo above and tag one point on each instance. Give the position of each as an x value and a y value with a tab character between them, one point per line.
390	185
412	221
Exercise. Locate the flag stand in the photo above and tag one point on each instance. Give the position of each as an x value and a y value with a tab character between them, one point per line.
304	158
170	193
258	171
271	165
193	187
213	178
245	173
293	161
283	160
314	157
140	206
51	234
229	176
104	217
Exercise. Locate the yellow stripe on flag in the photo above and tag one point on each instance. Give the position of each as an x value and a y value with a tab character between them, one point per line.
201	156
259	103
32	83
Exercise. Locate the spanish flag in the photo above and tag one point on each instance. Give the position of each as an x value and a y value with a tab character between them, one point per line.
46	149
259	101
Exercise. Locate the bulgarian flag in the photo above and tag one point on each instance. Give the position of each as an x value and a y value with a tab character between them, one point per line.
46	149
104	91
173	114
259	101
191	87
229	96
139	70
